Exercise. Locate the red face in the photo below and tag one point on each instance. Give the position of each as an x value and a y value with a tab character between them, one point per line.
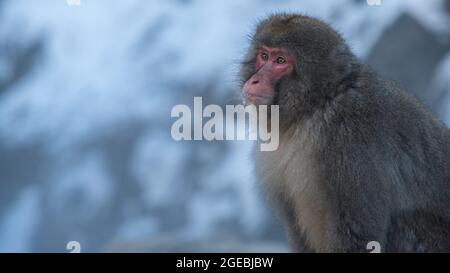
271	65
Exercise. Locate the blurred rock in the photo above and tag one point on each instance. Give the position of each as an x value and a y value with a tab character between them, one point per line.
15	177
409	53
441	88
169	245
16	61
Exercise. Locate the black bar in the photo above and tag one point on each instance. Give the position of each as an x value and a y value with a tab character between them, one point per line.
227	262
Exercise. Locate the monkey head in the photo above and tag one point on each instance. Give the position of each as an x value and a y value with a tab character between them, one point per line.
295	61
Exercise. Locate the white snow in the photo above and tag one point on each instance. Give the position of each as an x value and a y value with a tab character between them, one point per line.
108	63
18	224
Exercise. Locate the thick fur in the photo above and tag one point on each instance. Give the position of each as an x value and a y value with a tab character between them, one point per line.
359	159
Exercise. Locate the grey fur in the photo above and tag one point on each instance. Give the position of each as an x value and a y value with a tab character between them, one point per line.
359	159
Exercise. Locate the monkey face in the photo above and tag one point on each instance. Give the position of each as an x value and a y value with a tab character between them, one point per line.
271	65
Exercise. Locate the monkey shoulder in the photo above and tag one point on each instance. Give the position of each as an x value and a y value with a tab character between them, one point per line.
378	130
374	108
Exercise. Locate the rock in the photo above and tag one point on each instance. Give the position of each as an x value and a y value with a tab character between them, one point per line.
409	53
16	62
440	88
221	245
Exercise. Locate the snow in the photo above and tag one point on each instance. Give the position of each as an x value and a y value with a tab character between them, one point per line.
19	222
81	188
95	56
107	64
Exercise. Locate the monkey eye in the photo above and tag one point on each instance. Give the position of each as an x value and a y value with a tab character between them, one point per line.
281	60
264	56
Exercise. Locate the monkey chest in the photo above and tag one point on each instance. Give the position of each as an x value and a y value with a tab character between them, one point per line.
292	178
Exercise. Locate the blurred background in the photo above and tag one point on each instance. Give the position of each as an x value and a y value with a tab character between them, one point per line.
85	98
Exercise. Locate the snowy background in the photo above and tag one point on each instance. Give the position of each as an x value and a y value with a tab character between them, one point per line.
85	98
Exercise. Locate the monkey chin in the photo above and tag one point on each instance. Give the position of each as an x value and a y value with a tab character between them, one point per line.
256	99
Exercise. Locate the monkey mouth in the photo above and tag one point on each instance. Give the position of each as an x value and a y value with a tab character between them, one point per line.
256	99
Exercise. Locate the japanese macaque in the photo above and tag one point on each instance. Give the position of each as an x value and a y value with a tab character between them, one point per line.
359	158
